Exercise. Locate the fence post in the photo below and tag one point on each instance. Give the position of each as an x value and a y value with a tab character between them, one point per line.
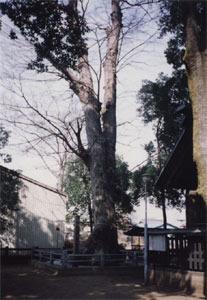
64	259
51	260
134	258
32	253
6	251
102	262
40	255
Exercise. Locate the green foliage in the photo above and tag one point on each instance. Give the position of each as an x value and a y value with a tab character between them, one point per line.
150	170
4	136
138	183
77	185
9	186
56	30
173	18
159	102
122	186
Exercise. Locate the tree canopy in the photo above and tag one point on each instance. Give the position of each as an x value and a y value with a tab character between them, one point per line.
55	30
159	104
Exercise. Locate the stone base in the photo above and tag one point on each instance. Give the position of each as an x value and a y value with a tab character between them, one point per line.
189	281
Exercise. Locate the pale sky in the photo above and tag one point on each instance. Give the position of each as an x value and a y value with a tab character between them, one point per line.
132	136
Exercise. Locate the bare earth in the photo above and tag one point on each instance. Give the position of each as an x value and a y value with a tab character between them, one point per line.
25	282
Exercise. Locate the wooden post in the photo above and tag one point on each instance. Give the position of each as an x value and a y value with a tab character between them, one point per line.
51	260
6	251
40	255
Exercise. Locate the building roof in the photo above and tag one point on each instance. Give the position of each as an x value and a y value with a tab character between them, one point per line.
139	231
179	170
47	187
157	223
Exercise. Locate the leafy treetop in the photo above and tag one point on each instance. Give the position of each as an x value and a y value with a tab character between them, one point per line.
56	30
173	19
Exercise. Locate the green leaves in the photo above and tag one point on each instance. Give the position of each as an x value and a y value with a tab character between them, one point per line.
4	136
9	186
173	20
56	30
122	198
158	103
77	185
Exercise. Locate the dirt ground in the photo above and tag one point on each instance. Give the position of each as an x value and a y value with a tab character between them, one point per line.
25	282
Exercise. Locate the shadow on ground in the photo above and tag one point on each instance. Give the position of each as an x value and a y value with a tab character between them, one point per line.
23	282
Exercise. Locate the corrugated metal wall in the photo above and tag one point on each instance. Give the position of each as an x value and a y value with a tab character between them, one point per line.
41	212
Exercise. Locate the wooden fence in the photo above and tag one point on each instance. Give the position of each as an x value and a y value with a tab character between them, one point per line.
182	253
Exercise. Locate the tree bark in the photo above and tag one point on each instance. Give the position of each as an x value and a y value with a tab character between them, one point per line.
101	135
109	106
103	236
196	65
90	214
76	235
164	210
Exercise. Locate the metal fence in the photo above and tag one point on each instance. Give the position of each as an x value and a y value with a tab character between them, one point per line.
64	259
6	252
19	255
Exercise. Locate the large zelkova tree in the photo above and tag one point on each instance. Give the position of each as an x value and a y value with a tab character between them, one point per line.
186	21
57	30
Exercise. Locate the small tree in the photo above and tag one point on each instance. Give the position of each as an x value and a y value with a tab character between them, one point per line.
77	185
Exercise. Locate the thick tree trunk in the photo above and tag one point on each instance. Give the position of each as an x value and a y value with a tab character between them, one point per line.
90	214
102	142
76	235
196	64
103	237
109	105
